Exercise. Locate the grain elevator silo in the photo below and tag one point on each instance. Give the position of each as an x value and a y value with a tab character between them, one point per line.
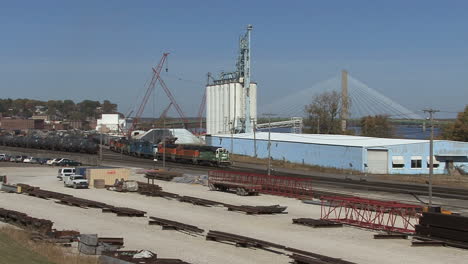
231	100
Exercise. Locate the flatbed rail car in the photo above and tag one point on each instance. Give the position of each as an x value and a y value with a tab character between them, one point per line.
270	184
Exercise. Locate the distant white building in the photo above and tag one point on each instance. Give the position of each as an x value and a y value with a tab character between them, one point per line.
111	123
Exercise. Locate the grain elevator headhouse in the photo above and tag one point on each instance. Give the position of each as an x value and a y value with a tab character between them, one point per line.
231	100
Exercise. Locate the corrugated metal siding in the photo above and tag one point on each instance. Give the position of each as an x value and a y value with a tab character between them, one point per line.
321	155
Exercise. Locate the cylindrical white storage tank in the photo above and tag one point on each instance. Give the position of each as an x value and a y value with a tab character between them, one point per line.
208	108
253	101
216	104
226	108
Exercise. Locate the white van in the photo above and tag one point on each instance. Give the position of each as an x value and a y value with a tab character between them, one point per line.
65	172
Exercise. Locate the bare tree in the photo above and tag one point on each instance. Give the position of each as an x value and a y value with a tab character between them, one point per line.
377	126
323	114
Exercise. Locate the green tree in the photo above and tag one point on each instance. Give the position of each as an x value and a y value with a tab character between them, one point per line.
377	126
89	108
457	130
323	113
108	107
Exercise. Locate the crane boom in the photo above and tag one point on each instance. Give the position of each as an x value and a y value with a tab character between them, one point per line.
149	90
164	113
172	99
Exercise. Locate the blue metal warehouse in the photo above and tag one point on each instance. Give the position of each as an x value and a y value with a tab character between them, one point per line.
365	154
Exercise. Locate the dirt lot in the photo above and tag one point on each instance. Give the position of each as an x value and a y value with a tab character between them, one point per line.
349	243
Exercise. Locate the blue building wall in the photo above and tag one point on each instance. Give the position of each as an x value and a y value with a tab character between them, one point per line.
341	157
345	157
445	152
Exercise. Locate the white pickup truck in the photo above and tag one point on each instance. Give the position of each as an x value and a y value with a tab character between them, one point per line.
63	172
75	181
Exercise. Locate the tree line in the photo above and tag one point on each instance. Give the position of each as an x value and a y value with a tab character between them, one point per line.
56	109
323	117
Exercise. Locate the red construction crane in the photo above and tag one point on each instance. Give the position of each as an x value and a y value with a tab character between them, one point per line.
171	97
149	90
164	113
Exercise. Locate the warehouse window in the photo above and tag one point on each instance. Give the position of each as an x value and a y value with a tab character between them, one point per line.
398	162
416	162
434	162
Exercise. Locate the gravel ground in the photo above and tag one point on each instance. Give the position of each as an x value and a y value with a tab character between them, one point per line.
349	243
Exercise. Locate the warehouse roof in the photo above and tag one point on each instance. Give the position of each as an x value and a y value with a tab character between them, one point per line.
325	139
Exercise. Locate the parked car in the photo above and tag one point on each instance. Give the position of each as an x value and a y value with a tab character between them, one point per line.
43	161
28	160
6	158
65	172
75	181
18	159
67	163
2	157
53	161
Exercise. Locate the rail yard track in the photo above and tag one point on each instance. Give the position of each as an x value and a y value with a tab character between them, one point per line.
391	187
110	157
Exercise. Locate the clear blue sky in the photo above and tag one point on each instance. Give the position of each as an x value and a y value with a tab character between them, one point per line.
415	52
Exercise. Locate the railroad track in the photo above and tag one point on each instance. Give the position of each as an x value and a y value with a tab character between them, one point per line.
412	189
389	187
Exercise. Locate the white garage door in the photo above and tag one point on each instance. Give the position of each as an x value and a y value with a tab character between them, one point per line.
377	161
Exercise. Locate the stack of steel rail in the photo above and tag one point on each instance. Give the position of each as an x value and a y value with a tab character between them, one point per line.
241	241
154	190
80	202
199	201
24	221
315	222
305	257
123	211
298	256
272	209
452	230
173	225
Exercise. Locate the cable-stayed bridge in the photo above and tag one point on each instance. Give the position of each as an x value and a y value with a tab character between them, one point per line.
364	101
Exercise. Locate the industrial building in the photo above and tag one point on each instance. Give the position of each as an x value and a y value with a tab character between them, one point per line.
111	123
11	124
364	154
231	100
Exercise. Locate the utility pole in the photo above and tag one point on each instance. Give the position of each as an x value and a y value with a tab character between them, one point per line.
164	142
255	137
269	141
232	139
100	145
431	151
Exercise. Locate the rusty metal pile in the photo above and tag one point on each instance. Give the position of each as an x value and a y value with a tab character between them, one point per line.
298	256
272	209
70	200
162	175
315	222
156	191
136	256
26	222
450	230
173	225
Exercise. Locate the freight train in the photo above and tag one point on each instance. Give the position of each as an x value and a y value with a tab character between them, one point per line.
183	153
66	143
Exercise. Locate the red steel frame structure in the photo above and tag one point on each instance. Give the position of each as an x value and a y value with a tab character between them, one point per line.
371	214
277	185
